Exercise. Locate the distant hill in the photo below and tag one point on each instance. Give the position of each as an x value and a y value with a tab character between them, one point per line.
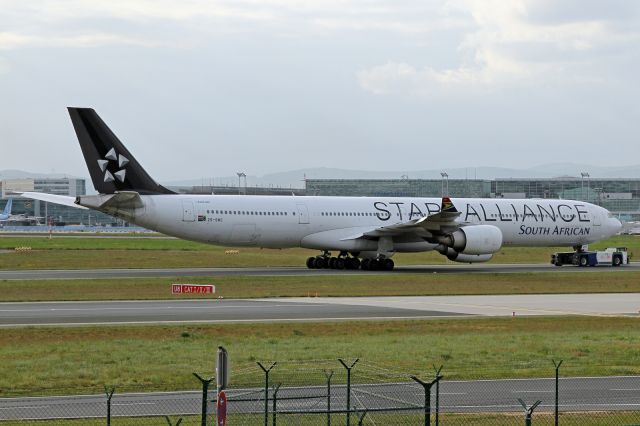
21	174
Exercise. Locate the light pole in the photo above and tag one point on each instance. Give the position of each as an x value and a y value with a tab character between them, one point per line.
240	176
585	175
445	176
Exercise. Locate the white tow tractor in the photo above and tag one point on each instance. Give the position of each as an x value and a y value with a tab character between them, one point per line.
613	256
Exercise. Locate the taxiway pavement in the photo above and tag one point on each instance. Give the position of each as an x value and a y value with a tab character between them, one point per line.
297	271
313	309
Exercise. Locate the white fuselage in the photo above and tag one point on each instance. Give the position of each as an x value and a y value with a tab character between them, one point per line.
330	223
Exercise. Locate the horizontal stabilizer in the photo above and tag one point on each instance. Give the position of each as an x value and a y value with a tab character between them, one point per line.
52	198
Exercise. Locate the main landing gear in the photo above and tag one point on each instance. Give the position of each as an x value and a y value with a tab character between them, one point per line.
344	261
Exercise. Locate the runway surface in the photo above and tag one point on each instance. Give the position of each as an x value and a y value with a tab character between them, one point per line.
297	271
313	309
576	395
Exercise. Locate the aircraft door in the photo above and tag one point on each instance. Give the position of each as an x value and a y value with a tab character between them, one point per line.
303	214
188	212
596	218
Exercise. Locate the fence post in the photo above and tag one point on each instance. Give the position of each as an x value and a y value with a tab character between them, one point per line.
275	399
109	393
328	375
427	397
361	418
171	424
557	365
348	368
266	391
205	389
438	377
528	412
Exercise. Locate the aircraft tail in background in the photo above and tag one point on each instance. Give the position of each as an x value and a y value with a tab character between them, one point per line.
6	213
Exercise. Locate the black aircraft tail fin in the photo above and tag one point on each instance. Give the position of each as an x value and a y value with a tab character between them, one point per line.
111	165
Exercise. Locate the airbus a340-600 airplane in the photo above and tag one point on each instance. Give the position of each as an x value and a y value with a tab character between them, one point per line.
365	232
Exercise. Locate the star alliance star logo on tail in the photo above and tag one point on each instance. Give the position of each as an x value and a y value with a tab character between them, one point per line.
120	159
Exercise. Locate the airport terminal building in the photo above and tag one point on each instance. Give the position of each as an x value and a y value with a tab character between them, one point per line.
618	195
621	196
55	213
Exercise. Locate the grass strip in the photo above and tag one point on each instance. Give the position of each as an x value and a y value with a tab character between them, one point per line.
326	286
136	252
49	360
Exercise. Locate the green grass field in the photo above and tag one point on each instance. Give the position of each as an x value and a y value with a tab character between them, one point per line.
606	281
41	360
140	252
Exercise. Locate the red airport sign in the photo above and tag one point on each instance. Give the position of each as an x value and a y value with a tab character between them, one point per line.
192	289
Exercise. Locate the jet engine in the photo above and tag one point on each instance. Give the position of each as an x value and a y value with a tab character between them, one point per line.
467	258
474	239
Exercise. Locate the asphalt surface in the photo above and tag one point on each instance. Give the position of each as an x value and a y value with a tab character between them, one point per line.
313	309
576	395
180	311
296	271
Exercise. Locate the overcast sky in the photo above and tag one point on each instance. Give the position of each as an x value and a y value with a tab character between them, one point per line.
207	88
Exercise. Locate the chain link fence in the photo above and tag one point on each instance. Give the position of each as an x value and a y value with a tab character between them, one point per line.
345	392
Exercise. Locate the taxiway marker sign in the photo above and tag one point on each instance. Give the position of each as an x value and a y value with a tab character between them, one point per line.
192	289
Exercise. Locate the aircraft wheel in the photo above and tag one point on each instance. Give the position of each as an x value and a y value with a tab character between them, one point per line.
320	263
355	263
387	264
365	264
311	262
332	262
340	263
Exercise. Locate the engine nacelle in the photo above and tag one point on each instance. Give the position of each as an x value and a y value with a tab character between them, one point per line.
474	239
468	258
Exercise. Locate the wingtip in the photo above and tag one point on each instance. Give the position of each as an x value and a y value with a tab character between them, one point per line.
447	205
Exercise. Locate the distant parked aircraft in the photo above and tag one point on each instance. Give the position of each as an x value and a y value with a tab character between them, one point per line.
6	213
7	218
365	231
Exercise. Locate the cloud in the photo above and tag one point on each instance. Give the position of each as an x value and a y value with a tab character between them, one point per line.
13	41
513	42
67	22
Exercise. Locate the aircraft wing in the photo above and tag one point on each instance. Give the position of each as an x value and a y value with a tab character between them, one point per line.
51	198
443	222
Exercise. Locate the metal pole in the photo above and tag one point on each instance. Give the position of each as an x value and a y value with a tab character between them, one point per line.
171	424
427	397
109	393
557	365
275	400
348	368
361	418
266	391
438	377
528	412
205	391
328	375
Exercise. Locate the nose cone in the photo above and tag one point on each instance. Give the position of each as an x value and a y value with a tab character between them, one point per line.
613	226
